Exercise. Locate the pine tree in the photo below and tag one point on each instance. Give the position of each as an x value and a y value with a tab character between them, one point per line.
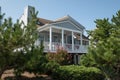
104	50
36	60
15	42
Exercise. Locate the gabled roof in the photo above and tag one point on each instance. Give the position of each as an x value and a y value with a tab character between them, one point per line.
44	21
65	18
69	18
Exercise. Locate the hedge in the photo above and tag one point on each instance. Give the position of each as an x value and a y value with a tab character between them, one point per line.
74	72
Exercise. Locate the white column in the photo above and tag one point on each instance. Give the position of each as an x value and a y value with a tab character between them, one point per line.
78	59
74	58
50	38
72	41
62	38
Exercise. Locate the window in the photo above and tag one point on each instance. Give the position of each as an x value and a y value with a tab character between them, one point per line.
85	42
56	38
41	38
76	41
69	39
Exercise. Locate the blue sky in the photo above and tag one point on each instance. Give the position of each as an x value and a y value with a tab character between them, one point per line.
84	11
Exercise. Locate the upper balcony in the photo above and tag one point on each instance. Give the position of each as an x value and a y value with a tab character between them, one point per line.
71	40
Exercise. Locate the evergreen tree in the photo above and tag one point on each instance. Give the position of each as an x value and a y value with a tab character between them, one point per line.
15	42
104	49
36	60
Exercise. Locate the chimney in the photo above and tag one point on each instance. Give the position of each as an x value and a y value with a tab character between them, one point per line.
26	17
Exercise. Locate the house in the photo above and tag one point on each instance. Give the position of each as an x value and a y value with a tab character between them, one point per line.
64	32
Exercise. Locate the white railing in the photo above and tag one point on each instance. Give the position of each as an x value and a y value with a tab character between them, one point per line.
46	46
76	47
68	47
55	45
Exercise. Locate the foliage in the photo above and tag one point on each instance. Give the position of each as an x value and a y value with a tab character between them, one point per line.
61	56
36	60
73	72
1	16
15	42
50	67
104	50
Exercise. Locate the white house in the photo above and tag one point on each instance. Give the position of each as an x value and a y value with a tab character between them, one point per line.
64	32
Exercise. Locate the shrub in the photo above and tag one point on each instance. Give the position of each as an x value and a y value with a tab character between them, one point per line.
50	67
35	61
61	56
73	72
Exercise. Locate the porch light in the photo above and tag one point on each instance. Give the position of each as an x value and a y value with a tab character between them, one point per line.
74	36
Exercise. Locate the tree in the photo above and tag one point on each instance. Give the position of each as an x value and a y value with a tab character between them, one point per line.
1	16
36	60
104	49
15	42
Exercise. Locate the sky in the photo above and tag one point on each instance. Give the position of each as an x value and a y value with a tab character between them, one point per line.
83	11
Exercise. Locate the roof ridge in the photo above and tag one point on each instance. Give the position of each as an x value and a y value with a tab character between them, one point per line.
62	18
45	19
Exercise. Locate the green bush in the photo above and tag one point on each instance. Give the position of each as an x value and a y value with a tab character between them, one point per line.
73	72
50	67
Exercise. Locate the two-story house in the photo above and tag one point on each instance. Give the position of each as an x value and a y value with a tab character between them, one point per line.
64	32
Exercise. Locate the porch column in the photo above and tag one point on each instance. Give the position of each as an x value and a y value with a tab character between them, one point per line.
81	38
74	58
62	38
72	41
50	39
79	59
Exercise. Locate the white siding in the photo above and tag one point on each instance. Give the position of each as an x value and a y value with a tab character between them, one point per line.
26	15
67	25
